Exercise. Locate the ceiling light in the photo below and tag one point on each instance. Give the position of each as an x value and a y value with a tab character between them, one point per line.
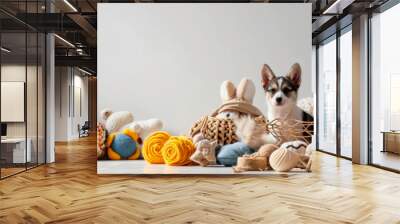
326	11
337	7
5	50
70	5
79	51
84	71
65	41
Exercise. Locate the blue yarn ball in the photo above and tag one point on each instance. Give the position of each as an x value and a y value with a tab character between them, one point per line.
124	145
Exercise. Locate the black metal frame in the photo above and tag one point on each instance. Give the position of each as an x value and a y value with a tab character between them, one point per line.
316	96
44	80
369	96
338	98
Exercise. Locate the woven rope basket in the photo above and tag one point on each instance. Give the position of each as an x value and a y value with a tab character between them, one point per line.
223	130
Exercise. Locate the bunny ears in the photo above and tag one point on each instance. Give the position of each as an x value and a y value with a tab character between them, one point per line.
245	91
239	100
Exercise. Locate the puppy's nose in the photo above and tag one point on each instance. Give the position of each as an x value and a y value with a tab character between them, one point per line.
279	99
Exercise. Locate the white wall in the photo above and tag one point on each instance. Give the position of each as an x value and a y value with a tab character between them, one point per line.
80	83
66	119
168	60
12	73
61	103
18	73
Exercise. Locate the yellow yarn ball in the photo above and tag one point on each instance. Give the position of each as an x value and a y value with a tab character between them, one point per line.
177	151
152	147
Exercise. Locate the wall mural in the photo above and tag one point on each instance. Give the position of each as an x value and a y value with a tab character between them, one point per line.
189	90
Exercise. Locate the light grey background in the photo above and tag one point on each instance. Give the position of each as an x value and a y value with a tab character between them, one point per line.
168	60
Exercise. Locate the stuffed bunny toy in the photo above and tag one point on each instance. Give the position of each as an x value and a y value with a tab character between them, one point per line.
232	97
118	121
237	106
236	103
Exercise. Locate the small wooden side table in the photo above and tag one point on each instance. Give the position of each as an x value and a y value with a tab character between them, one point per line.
391	141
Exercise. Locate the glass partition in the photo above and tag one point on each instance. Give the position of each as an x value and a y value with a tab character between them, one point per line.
22	67
14	153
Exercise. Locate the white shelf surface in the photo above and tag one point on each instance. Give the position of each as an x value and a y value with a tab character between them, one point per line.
138	167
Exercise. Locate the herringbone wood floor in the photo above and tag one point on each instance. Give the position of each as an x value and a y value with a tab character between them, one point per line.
69	191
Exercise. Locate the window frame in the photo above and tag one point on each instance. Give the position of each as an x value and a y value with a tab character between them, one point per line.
334	37
381	9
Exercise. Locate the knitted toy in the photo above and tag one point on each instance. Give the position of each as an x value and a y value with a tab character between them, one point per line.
145	127
266	150
296	146
250	163
161	147
235	104
214	129
123	145
224	130
205	152
256	161
238	120
152	147
117	121
101	141
290	155
239	101
177	151
306	104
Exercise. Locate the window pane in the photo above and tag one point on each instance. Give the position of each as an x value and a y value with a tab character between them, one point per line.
385	84
327	97
346	94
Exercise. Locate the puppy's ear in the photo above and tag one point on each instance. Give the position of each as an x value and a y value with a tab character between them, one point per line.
266	75
246	90
227	91
294	75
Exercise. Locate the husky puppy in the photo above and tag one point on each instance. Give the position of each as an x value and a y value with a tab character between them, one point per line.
281	94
